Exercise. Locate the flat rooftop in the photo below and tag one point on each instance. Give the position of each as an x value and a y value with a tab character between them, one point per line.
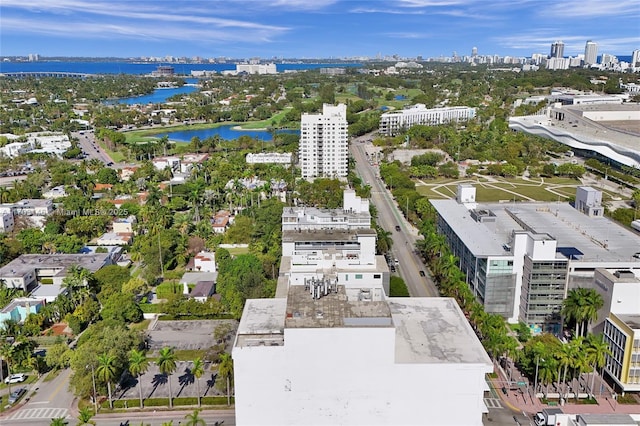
333	310
598	238
616	139
632	320
28	262
326	234
312	216
262	323
608	419
434	330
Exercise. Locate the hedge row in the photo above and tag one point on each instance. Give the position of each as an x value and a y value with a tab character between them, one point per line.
164	402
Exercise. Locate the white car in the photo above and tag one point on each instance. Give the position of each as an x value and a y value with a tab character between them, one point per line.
15	378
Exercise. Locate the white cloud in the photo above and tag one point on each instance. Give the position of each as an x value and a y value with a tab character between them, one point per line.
592	8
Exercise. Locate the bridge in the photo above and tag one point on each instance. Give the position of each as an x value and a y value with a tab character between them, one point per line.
43	74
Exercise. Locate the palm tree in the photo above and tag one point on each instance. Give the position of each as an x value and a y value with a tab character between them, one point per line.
566	357
593	303
547	372
58	421
198	370
225	371
106	372
167	365
194	419
581	306
138	365
84	417
597	352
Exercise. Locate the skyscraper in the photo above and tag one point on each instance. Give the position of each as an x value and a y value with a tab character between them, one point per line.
635	58
557	49
474	51
590	53
323	143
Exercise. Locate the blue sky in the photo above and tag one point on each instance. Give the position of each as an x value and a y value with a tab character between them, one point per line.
314	28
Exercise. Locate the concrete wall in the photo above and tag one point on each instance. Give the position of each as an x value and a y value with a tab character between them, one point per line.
348	376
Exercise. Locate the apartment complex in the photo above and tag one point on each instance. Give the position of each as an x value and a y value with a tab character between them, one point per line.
28	270
392	123
590	53
333	348
324	143
269	158
619	321
557	49
520	259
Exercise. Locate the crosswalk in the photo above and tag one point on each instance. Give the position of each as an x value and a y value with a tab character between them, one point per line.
492	403
39	413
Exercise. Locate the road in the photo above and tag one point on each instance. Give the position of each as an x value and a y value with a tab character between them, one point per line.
151	418
88	144
410	264
46	400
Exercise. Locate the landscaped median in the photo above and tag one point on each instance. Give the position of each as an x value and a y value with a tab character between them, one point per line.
207	401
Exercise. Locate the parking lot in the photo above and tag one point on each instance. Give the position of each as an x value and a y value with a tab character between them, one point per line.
179	335
186	334
155	384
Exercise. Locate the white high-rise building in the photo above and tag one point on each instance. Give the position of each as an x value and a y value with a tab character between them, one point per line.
590	53
323	143
557	50
635	58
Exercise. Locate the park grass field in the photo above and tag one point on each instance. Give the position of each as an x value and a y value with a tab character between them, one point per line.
503	189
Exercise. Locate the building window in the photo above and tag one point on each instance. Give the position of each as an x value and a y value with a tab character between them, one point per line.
358	276
376	276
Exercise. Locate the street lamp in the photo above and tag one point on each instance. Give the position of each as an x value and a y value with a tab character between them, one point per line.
95	396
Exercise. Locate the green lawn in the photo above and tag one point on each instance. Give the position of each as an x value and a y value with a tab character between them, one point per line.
238	250
187	354
115	155
503	189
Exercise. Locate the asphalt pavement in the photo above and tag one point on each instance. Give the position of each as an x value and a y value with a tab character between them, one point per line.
390	216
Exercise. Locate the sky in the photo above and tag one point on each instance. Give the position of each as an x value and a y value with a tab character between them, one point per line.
314	28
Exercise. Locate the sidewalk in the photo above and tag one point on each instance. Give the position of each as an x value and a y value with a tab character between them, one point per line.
526	403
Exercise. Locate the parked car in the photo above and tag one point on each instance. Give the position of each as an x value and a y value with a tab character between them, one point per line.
398	228
422	273
16	394
15	378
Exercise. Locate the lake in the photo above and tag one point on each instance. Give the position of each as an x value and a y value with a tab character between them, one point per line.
225	132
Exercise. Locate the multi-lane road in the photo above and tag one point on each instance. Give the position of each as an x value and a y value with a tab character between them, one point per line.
87	143
389	217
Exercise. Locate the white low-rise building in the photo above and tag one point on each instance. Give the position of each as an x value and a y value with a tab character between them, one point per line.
301	360
269	158
205	262
42	142
391	123
124	225
28	270
256	68
34	211
6	222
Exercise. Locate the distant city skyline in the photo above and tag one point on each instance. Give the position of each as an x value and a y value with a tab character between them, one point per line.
314	28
